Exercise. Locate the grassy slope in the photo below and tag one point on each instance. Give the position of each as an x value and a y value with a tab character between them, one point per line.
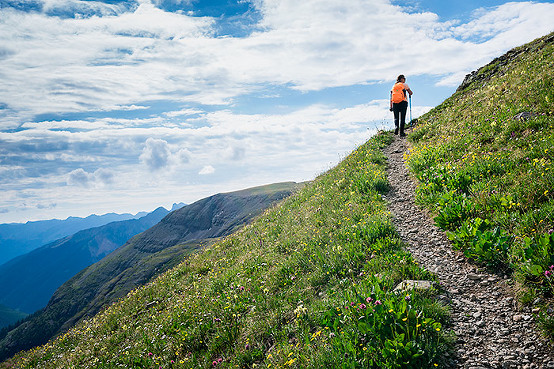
487	176
308	284
142	258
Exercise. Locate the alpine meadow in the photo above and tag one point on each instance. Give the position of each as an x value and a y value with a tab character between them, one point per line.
311	282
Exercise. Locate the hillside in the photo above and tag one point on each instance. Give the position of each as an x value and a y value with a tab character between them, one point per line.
311	283
143	257
28	281
308	281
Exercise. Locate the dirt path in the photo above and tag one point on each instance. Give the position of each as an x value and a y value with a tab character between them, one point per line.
491	331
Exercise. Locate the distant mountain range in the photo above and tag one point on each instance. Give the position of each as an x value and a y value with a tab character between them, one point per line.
20	238
142	258
28	281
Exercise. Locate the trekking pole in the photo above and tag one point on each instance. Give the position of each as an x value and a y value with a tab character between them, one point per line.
411	110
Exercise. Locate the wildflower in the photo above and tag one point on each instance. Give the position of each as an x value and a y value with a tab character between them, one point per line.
217	320
368	300
378	302
407	298
362	306
547	273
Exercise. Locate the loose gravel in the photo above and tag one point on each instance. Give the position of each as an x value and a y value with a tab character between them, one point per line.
492	330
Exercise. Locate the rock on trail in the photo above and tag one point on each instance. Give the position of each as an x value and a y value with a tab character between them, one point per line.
492	332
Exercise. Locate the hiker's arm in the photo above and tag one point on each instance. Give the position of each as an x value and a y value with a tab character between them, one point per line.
410	92
390	101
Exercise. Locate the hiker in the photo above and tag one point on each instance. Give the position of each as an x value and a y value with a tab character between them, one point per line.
399	103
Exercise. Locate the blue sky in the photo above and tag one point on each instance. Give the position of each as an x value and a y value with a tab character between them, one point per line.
128	105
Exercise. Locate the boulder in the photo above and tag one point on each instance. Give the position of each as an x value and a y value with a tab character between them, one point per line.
410	284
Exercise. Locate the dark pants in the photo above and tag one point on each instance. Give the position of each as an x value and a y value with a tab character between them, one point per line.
399	111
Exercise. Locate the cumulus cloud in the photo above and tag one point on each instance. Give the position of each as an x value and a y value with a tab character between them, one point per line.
159	154
104	176
155	154
80	177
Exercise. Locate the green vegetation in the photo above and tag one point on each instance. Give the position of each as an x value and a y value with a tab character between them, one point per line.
309	284
486	172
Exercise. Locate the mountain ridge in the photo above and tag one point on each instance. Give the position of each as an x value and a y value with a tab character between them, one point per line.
20	238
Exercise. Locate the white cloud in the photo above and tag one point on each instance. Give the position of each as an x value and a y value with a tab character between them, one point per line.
82	178
155	154
158	154
98	63
131	59
235	153
104	176
81	8
184	112
207	169
103	63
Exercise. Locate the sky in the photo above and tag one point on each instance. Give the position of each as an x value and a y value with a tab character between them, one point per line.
124	106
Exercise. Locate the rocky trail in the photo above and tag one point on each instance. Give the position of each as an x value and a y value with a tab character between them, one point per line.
492	330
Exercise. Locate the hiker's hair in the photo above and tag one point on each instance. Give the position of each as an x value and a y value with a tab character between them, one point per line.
400	77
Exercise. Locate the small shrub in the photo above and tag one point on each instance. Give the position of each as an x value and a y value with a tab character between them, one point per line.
453	210
479	242
538	267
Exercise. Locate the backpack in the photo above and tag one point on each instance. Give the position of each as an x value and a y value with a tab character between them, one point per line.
398	92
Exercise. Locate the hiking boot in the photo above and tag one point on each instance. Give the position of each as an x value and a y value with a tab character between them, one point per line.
402	134
396	131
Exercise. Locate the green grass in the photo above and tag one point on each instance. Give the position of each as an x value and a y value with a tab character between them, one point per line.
309	284
488	177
